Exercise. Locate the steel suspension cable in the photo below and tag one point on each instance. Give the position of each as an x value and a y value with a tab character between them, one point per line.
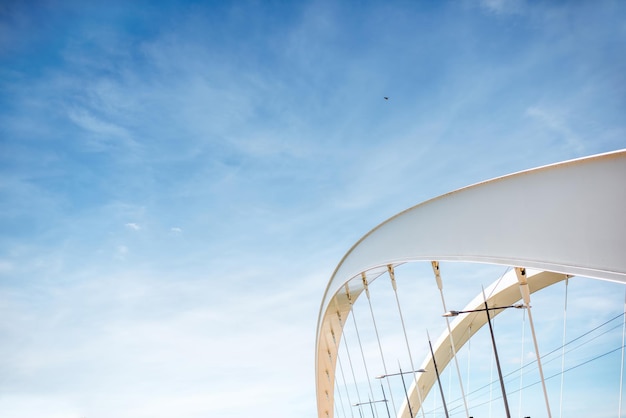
621	373
380	348
563	350
491	377
356	328
340	403
356	386
521	369
435	265
598	357
469	355
555	350
394	285
345	384
569	350
367	375
580	337
525	291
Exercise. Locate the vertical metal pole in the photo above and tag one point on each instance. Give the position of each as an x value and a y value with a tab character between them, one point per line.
443	399
408	402
495	352
385	400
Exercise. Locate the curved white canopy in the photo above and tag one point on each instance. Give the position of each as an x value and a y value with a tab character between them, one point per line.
566	218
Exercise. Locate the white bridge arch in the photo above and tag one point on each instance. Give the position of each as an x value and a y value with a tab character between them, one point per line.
559	220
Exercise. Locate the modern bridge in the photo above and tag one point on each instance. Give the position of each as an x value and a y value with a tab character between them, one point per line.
523	234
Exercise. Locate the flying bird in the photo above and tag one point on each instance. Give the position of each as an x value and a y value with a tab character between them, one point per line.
386	98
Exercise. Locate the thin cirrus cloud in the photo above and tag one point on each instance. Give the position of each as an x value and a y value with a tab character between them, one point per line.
180	181
132	226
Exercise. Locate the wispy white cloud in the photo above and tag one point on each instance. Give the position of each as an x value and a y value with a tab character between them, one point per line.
263	142
504	6
559	125
133	226
104	133
166	340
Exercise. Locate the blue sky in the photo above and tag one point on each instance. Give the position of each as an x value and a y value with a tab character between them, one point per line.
179	179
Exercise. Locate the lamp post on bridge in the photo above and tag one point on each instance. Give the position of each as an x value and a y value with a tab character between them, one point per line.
401	374
371	404
486	309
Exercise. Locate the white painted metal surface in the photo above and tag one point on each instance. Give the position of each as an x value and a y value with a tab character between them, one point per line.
567	218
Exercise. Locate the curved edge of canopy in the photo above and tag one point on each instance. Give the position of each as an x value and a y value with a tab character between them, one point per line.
566	217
